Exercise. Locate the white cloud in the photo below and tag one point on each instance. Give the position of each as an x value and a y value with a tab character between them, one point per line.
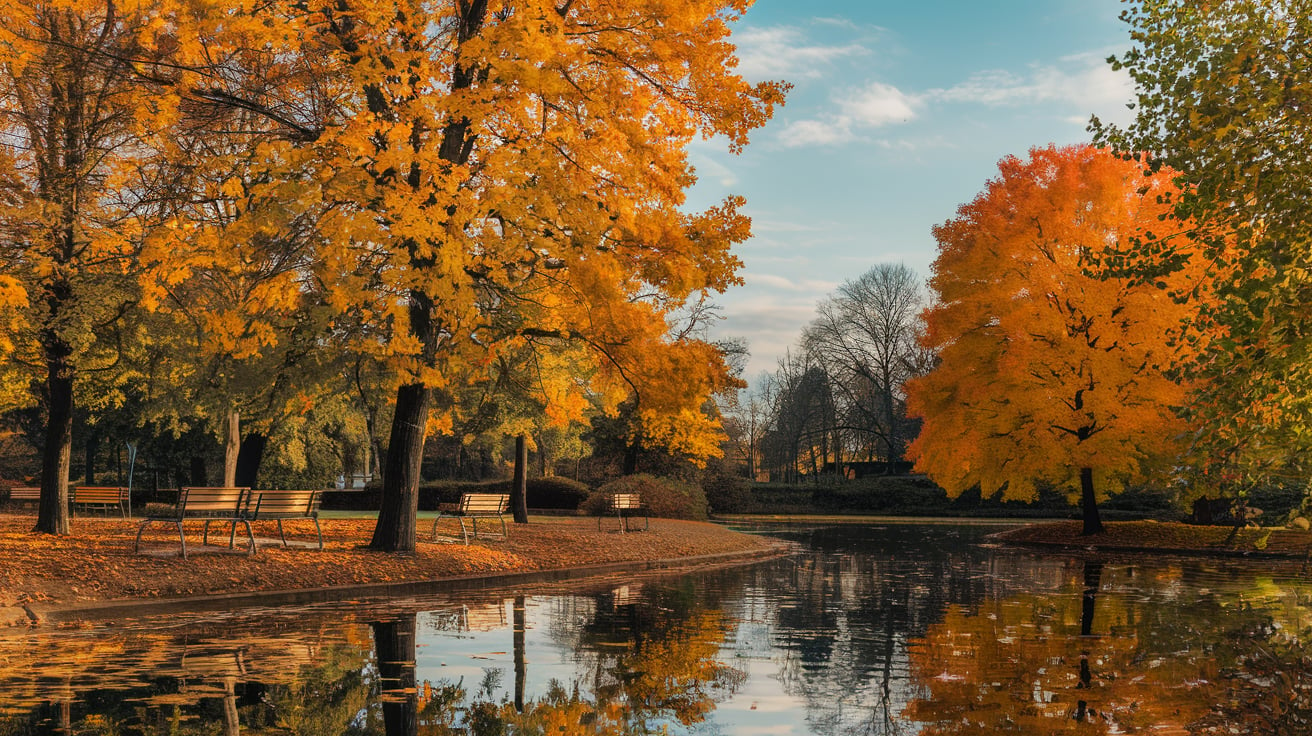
833	132
1083	80
875	105
783	52
878	104
1080	84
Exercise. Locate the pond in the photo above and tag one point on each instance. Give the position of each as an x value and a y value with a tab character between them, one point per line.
874	629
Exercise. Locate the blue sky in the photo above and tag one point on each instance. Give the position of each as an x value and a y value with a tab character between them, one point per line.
898	115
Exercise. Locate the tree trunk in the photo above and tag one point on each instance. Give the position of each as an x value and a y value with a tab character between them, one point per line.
198	473
395	530
631	457
249	458
394	645
52	513
89	458
1089	502
519	486
231	448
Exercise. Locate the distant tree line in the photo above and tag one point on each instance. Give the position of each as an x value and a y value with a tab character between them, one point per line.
839	397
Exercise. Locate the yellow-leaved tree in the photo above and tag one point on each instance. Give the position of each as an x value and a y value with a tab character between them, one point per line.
499	150
1052	367
79	122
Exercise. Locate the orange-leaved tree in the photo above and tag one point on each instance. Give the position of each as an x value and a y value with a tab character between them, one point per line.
1053	368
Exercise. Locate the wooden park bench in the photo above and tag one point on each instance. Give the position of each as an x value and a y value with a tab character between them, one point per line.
282	505
101	498
25	495
208	505
625	507
475	506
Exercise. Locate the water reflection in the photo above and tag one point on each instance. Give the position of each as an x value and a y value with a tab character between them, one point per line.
867	630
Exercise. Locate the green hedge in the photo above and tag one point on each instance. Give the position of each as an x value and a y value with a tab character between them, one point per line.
543	493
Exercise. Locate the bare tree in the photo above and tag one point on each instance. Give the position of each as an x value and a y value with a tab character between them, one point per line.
866	338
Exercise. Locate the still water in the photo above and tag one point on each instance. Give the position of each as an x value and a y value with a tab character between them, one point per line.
892	629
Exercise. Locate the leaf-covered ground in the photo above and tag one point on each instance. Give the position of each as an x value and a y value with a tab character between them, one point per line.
1167	537
96	561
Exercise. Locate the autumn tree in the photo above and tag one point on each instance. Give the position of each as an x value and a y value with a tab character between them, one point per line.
501	144
866	334
1222	95
230	271
77	119
1051	370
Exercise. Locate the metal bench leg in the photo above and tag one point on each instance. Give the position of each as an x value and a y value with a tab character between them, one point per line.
504	533
183	539
281	536
136	546
318	531
250	535
433	536
205	535
465	533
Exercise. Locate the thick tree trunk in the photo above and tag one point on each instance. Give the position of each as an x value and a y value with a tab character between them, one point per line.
231	448
519	486
1089	503
52	513
394	644
395	530
249	458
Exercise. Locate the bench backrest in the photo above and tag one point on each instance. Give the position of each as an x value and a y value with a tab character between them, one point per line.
99	494
625	501
194	501
25	493
484	503
283	503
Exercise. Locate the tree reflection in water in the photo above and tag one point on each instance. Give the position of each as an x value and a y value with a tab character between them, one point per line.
869	631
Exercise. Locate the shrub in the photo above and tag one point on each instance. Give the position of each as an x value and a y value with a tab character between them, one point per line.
726	493
663	497
556	493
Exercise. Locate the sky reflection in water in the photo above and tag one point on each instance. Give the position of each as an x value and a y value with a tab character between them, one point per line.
896	629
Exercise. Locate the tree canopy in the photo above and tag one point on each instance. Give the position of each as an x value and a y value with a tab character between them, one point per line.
1222	97
433	185
1052	368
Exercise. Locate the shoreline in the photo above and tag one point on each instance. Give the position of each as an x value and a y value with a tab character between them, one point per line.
1174	538
93	572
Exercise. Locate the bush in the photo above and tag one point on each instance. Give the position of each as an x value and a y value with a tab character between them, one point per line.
663	497
556	493
726	493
